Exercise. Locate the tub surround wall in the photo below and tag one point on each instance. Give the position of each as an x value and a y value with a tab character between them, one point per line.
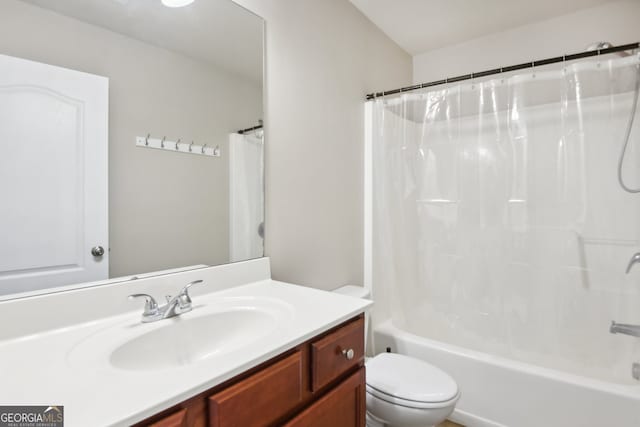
323	57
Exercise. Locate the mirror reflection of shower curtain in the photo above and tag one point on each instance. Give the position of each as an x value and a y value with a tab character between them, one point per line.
246	196
499	223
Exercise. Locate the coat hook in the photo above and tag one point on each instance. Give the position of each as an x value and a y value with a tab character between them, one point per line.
191	145
178	144
146	141
162	142
203	147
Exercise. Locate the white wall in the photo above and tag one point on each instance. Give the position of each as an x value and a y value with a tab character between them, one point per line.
616	22
322	58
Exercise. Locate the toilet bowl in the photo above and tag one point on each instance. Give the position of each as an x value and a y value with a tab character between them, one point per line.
403	391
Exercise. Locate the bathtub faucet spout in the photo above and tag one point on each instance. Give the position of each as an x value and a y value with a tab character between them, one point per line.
620	328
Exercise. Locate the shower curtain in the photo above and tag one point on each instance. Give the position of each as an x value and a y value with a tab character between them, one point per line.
499	224
246	196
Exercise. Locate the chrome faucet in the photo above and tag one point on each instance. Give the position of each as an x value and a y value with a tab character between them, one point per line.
175	306
634	260
633	330
621	328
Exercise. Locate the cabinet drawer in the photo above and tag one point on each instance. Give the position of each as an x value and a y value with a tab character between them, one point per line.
344	406
260	399
329	354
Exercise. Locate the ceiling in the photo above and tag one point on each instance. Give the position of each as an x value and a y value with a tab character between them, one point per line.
422	25
218	32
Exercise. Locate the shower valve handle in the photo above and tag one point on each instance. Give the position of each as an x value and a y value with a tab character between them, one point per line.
634	260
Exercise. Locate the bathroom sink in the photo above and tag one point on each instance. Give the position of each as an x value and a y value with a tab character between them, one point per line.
184	341
209	331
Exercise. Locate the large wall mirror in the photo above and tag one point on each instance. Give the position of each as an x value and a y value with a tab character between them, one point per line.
131	140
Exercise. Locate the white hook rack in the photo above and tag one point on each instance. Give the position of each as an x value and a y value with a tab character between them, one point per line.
177	146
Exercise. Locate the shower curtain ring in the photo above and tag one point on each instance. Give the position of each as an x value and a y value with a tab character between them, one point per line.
203	147
162	142
178	144
146	140
533	69
191	145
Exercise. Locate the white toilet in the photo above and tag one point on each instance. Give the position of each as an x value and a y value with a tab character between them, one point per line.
403	391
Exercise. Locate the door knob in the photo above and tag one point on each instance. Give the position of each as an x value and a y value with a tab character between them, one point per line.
98	251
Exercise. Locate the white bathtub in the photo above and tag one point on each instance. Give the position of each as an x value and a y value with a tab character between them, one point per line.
497	391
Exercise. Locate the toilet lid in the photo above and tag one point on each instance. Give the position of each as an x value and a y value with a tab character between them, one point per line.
410	379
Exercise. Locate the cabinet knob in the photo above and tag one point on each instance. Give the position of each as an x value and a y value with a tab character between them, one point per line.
349	354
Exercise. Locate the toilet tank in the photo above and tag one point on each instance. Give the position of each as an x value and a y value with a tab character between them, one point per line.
363	293
354	291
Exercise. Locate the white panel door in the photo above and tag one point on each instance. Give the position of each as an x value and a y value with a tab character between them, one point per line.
53	176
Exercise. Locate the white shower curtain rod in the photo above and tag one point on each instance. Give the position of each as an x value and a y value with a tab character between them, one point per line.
525	65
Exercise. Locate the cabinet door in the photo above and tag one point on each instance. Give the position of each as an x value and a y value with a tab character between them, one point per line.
262	398
344	406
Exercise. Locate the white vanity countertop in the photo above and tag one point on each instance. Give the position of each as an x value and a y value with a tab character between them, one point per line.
48	368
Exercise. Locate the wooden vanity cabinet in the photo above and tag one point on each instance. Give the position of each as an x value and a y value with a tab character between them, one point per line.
320	383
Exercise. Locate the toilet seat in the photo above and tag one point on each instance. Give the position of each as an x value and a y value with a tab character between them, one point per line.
409	382
411	403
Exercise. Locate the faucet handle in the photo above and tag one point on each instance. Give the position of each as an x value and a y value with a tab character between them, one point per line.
188	285
185	298
150	304
185	290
